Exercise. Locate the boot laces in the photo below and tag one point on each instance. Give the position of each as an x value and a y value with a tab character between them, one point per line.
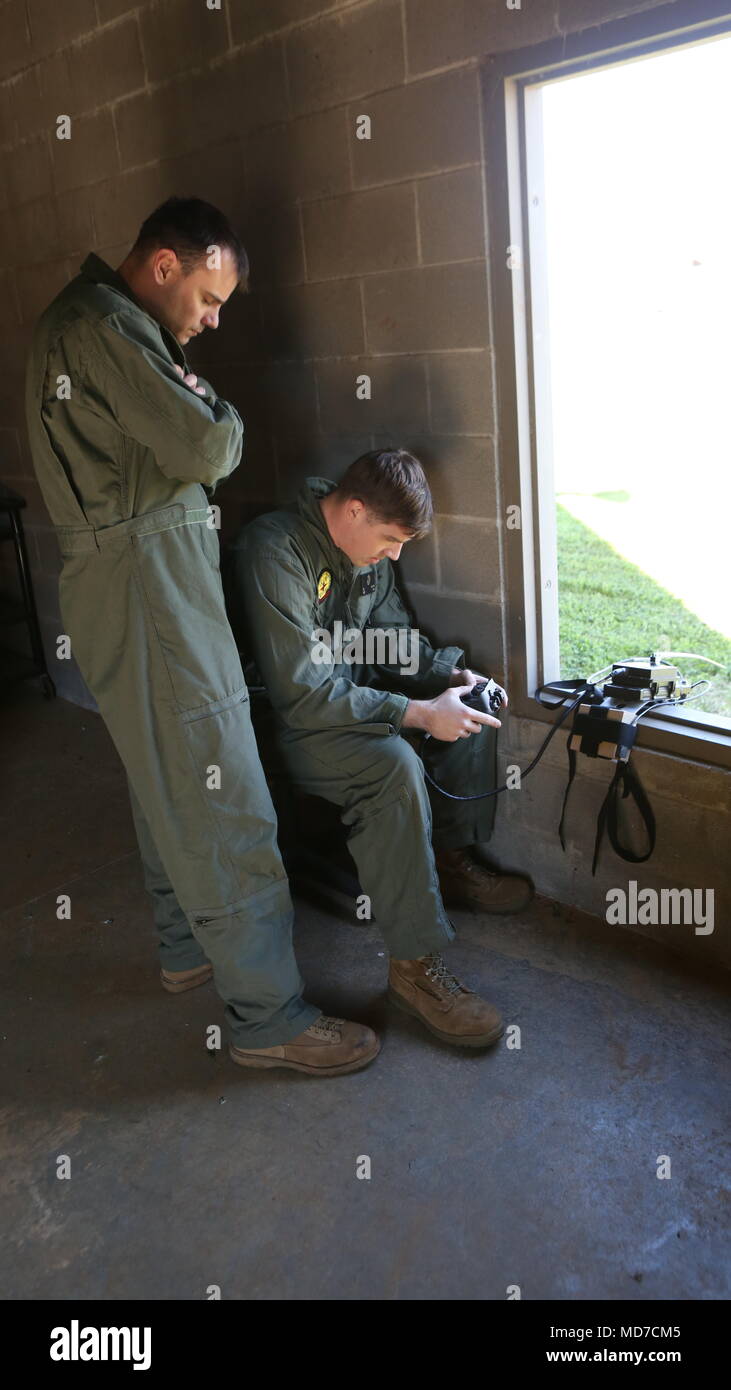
326	1025
436	969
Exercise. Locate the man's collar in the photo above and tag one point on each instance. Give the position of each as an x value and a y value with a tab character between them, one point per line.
94	268
308	504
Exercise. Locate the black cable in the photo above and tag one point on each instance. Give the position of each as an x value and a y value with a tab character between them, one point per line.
480	796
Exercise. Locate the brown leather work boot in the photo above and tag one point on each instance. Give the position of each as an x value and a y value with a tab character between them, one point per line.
328	1047
175	981
465	883
454	1013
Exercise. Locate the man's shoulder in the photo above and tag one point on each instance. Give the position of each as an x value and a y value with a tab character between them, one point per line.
278	532
81	304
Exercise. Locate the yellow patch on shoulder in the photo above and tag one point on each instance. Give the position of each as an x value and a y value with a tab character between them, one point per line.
324	584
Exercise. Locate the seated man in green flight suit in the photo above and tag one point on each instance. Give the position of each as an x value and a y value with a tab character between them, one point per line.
346	673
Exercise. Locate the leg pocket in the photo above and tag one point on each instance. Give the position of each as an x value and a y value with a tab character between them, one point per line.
183	598
237	820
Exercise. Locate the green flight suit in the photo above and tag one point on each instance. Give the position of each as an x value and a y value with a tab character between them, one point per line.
338	721
126	456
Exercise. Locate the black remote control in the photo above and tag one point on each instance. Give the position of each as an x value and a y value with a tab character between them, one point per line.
485	696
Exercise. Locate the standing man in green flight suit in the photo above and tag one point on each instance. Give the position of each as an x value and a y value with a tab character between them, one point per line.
306	577
128	445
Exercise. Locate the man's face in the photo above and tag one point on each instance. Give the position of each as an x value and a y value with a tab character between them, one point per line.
367	539
186	304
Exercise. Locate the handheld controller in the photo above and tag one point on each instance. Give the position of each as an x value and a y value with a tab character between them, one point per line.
485	696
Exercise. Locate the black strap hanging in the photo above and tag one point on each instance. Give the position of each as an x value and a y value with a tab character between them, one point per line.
626	777
594	729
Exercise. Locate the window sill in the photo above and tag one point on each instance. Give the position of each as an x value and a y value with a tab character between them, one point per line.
695	737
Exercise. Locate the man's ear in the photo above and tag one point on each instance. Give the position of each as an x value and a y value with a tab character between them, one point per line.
355	508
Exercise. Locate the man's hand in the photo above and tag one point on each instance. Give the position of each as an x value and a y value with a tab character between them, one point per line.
446	718
470	678
190	381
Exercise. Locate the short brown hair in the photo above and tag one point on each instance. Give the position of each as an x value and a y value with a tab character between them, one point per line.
392	484
189	226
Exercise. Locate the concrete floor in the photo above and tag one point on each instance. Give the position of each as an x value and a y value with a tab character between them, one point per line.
534	1167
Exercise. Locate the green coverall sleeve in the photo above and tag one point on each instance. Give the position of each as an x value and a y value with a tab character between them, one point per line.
274	589
128	375
435	664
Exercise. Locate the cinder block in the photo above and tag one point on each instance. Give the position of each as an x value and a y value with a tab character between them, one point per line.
433	307
236	345
451	219
307	158
28	171
360	232
470	560
292	398
258	17
20	108
215	173
274	247
55	26
438	35
177	36
692	784
54	95
112	9
239	95
473	625
688	854
111	254
567	878
75	222
398	396
87	156
108	64
418	562
692	850
121	204
460	470
583	14
318	456
345	55
157	125
246	387
421	128
9	242
253	479
16	50
461	393
320	320
37	285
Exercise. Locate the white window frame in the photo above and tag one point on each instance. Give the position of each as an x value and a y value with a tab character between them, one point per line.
513	147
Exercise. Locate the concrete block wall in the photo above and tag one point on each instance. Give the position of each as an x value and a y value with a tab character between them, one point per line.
368	256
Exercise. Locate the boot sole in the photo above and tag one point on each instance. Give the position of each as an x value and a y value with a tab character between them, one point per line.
471	1040
267	1063
179	986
